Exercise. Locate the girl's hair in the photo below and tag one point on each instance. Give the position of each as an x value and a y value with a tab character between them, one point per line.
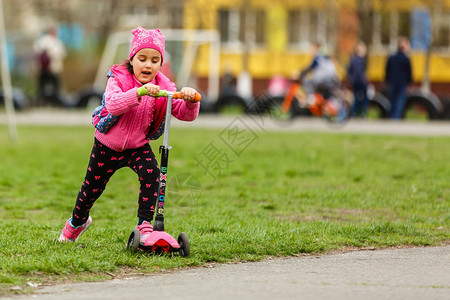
127	63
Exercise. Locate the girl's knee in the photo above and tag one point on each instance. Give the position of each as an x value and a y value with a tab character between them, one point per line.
149	177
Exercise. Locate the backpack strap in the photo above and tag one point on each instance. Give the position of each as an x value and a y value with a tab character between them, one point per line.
101	118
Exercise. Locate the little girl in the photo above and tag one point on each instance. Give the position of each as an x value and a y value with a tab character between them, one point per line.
136	117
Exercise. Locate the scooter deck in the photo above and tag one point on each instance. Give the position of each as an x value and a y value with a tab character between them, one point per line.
160	240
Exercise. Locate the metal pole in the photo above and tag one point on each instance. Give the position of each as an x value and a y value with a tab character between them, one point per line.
167	124
6	79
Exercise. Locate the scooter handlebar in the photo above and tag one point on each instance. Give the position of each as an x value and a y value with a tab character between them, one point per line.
164	93
198	97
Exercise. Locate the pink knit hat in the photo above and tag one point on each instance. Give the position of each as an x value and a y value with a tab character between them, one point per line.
142	38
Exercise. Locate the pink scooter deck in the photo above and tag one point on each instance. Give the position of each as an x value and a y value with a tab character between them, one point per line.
161	239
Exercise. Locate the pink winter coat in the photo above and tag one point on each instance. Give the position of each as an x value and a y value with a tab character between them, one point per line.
137	118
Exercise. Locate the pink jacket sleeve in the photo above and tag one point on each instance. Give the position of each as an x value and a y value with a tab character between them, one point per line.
184	110
119	102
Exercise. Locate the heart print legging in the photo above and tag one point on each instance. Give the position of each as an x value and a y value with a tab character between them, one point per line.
102	165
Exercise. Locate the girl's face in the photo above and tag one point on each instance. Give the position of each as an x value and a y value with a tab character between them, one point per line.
146	64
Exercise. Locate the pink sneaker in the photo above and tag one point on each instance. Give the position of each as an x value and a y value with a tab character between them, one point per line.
71	233
145	229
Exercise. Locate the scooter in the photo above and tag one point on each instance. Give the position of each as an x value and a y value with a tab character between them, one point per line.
160	241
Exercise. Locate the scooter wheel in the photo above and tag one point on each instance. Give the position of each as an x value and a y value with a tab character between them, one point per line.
185	248
133	241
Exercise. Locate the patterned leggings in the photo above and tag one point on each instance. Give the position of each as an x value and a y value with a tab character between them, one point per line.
102	165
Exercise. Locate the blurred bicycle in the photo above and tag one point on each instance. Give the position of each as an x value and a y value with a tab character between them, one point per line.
332	104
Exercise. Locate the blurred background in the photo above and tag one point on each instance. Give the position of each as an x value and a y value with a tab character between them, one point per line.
231	50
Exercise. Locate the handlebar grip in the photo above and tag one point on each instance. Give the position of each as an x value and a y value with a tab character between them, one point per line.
198	97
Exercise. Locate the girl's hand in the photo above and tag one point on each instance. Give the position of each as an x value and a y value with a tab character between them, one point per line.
151	89
188	94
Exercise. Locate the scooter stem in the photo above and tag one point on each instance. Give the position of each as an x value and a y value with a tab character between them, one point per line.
167	125
164	151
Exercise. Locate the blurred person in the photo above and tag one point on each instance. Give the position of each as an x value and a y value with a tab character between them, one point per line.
398	76
356	75
129	117
228	82
50	52
321	75
278	85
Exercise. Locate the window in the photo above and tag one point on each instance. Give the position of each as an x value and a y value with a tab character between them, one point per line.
229	27
260	27
233	30
224	25
388	26
176	17
294	27
441	38
404	24
305	27
321	27
385	22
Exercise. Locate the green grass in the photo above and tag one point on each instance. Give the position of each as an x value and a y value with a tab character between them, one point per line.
279	194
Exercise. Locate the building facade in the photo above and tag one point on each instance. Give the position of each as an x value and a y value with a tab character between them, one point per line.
270	38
